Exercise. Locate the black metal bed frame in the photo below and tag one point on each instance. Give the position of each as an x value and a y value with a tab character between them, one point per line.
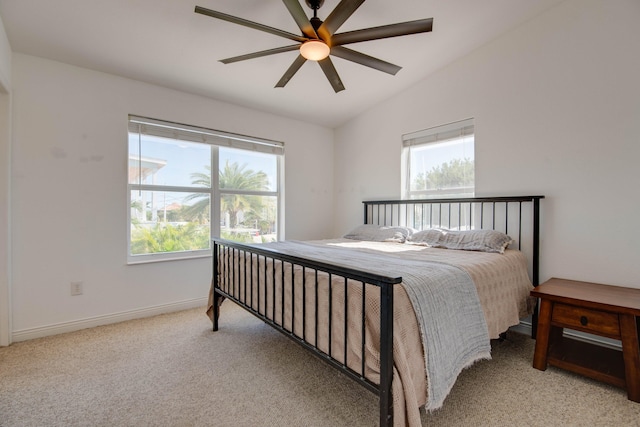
238	269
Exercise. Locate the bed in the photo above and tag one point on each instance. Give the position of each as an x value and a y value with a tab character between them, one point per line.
403	302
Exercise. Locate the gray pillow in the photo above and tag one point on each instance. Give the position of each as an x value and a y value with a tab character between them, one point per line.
429	237
379	233
475	240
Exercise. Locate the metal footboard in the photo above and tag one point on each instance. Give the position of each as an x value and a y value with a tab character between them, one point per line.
277	287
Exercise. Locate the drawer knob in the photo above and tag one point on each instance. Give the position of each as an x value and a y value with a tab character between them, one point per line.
584	320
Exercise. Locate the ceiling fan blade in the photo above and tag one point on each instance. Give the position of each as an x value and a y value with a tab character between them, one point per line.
366	60
301	18
260	54
382	32
332	74
250	24
291	71
336	18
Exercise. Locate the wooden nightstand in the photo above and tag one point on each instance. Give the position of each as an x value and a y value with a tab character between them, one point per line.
604	310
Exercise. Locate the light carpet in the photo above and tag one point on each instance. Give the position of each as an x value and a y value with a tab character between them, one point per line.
172	370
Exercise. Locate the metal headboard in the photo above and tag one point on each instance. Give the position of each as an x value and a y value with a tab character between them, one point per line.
517	216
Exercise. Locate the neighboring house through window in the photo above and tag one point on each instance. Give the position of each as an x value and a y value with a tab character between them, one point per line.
439	162
188	184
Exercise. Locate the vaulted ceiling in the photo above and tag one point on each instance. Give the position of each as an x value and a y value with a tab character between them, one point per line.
165	43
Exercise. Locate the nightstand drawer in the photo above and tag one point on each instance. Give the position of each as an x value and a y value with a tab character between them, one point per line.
584	319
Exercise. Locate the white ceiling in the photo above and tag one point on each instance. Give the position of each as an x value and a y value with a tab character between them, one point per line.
165	43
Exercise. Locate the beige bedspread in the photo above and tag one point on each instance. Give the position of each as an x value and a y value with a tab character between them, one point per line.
501	281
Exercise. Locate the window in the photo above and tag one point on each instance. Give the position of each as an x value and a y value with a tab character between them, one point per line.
439	162
176	204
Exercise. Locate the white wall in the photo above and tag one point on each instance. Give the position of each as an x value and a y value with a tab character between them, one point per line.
556	104
5	167
69	193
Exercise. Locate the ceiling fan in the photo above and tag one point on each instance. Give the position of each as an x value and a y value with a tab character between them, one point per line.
319	38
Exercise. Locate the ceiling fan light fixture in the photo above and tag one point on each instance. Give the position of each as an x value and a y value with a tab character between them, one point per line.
314	50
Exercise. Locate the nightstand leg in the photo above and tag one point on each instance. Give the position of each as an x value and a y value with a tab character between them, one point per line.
542	338
631	355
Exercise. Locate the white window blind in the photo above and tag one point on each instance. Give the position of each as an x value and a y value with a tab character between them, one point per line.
183	132
442	133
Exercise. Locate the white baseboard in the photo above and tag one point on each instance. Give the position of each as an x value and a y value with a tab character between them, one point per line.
524	327
76	325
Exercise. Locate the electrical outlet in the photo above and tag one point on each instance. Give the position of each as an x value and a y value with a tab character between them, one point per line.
76	288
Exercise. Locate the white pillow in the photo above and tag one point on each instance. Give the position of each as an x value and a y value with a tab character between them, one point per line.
379	233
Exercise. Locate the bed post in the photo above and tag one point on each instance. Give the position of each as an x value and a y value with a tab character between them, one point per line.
386	354
214	281
366	218
536	261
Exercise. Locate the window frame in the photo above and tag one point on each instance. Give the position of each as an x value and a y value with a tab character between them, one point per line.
436	135
215	140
